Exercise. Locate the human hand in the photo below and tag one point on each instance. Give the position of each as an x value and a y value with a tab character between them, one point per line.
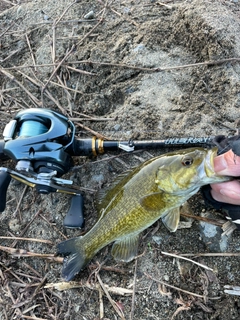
227	164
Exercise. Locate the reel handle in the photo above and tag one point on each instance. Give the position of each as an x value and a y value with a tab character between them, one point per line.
75	217
5	179
3	157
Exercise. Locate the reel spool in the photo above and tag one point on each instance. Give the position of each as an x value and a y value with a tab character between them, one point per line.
30	128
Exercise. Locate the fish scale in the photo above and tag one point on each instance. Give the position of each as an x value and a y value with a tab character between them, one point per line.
156	189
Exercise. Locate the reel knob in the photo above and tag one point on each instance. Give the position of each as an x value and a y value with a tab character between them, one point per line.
5	179
74	217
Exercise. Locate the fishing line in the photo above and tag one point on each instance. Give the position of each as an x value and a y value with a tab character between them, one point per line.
30	128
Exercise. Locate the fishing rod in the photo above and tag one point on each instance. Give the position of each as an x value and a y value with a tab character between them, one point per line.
42	142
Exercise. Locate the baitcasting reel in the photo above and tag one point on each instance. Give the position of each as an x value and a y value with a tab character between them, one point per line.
38	140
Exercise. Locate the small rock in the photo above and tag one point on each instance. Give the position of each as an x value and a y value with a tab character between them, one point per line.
213	236
166	277
157	239
99	178
89	15
14	225
45	17
139	47
117	127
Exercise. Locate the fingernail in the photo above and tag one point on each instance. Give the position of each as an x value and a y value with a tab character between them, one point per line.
222	191
220	163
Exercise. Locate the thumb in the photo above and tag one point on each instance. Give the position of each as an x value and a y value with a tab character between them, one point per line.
227	164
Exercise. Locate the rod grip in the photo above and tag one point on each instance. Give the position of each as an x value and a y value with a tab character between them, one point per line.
75	217
5	179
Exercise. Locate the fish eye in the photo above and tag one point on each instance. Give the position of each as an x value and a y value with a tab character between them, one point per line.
187	161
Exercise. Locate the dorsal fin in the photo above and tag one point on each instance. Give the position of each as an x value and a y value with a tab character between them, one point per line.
105	195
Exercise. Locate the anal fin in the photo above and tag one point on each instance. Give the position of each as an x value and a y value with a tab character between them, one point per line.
125	250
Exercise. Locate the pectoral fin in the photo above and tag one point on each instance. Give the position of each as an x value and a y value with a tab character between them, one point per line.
153	202
171	219
126	249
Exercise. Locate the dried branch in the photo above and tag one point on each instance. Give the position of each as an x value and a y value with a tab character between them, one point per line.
27	239
31	52
69	54
113	303
178	289
180	257
134	291
12	78
28	254
215	222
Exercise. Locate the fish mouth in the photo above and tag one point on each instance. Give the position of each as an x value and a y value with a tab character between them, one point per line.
209	162
209	167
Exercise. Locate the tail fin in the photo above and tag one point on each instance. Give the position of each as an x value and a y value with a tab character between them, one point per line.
74	260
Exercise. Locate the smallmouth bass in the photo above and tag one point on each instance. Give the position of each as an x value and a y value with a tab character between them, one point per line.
155	189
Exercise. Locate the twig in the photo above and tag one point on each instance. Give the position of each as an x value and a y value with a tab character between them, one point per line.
65	87
180	257
6	30
119	65
9	2
134	291
65	21
12	78
119	14
107	268
32	270
62	286
159	69
178	289
46	92
38	288
113	303
26	239
210	103
96	134
88	118
64	12
210	221
101	308
212	254
31	52
50	96
55	23
32	318
19	203
10	55
28	254
53	47
55	228
164	5
69	54
27	226
76	89
82	71
9	293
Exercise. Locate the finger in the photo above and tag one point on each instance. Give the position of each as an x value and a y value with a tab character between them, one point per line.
227	164
227	192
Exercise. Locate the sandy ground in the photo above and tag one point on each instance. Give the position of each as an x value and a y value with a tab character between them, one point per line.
120	46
